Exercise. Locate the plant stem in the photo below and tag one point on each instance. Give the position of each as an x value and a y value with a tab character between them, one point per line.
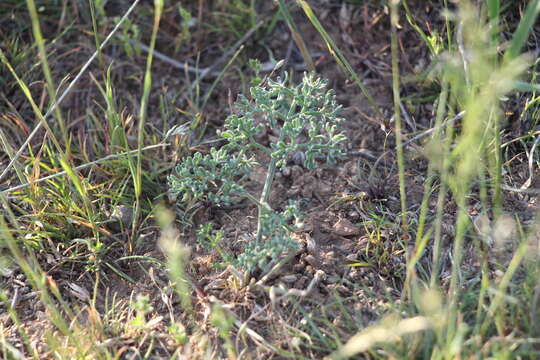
399	138
137	177
263	202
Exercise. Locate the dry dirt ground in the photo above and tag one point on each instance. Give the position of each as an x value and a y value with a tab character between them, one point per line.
351	265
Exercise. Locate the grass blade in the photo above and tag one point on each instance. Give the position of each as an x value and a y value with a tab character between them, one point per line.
66	92
137	180
296	36
338	55
522	33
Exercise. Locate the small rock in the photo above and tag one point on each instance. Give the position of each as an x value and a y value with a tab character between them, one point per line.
301	283
311	260
286	171
345	228
331	279
296	172
311	245
289	278
299	158
124	214
299	267
351	257
293	191
325	189
356	275
309	271
24	290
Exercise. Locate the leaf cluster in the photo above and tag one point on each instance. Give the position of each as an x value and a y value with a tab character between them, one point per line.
305	116
215	177
277	235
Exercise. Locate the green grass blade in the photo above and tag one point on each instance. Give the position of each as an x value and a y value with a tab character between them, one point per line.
494	11
66	92
137	181
524	28
338	55
296	36
35	275
91	5
51	87
399	135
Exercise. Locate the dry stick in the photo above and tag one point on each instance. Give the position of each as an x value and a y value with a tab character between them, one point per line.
67	91
407	117
464	54
523	189
166	59
429	131
518	190
527	183
231	50
207	71
296	292
80	167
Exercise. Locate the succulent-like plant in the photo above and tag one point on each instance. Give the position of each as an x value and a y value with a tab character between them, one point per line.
305	116
215	177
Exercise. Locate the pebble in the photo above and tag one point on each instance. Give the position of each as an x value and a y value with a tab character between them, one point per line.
124	214
24	290
355	275
332	279
299	267
311	260
309	271
301	283
289	278
311	245
351	257
286	172
344	227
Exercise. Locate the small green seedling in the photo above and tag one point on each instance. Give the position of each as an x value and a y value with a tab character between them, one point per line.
307	119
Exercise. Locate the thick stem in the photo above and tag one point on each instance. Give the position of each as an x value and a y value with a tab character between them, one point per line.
263	202
270	178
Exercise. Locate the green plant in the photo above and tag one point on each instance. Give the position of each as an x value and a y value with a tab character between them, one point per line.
209	177
142	307
307	116
187	22
130	32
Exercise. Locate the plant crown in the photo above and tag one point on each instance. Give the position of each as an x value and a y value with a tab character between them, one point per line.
306	117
